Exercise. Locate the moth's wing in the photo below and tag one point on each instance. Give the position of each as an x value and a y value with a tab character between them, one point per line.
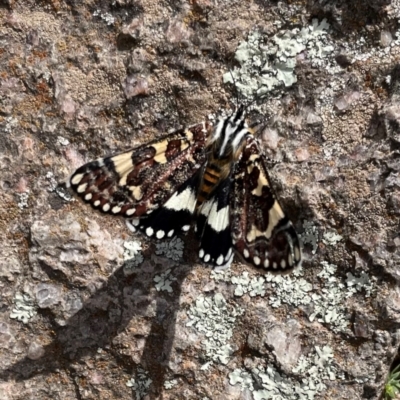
261	231
175	215
140	180
214	229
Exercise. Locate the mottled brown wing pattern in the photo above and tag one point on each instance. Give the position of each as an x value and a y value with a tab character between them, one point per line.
215	175
138	181
261	232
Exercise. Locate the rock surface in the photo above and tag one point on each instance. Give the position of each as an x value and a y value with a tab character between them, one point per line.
90	311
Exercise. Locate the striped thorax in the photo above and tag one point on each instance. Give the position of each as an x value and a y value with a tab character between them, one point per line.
223	148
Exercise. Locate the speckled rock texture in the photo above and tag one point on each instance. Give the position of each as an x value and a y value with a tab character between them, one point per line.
89	310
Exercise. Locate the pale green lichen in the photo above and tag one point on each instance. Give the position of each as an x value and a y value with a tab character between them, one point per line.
289	289
172	249
267	63
309	379
310	235
132	256
23	199
359	284
170	384
106	17
24	308
140	384
163	281
331	238
328	304
215	319
253	286
53	186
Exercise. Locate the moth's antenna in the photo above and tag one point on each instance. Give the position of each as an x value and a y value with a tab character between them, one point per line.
257	126
236	91
171	95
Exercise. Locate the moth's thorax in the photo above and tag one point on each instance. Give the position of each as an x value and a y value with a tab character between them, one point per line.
224	148
228	136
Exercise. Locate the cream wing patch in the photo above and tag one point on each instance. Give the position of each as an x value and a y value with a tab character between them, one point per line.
217	219
185	200
123	165
275	214
160	152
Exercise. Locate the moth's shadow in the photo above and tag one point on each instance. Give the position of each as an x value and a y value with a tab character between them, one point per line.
104	316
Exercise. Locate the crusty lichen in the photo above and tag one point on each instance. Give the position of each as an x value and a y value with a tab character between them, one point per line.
24	308
163	281
215	319
132	256
308	380
328	304
267	63
140	384
172	249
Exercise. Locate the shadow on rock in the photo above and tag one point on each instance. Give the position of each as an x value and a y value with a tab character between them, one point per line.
106	314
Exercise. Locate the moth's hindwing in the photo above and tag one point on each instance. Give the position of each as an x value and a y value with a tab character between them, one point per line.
214	229
261	231
140	180
175	215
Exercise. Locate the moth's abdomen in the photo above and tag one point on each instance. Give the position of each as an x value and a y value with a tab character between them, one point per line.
211	178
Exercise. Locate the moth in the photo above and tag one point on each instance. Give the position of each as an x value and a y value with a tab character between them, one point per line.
212	178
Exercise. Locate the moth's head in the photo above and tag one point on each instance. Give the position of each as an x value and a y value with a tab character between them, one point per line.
229	134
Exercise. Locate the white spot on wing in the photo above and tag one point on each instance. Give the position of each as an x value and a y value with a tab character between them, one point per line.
76	179
220	260
149	231
106	207
88	196
116	209
201	253
96	203
226	265
82	188
135	221
229	254
256	260
131	211
246	253
207	258
160	234
283	264
130	226
266	263
170	233
185	228
297	254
